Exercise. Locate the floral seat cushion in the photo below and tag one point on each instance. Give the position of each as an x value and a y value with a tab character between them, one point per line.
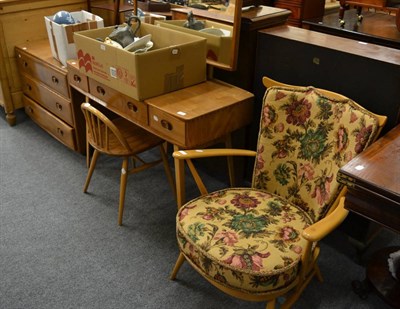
244	238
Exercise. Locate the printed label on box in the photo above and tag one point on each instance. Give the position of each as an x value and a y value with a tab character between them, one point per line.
90	64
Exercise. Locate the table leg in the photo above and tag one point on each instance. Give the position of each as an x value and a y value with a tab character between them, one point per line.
379	279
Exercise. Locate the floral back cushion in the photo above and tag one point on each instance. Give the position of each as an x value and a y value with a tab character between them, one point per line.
303	141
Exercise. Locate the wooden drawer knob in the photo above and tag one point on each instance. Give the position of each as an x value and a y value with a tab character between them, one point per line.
59	106
132	107
100	90
29	109
59	131
166	125
77	78
54	79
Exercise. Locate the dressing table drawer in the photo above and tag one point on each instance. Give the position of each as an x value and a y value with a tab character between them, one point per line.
104	93
167	126
120	104
77	79
133	110
54	126
56	80
49	99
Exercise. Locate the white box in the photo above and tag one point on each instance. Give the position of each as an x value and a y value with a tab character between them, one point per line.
61	37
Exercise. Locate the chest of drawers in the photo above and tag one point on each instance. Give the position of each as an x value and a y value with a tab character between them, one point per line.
46	96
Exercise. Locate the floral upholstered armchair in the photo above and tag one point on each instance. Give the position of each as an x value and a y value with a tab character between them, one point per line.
261	243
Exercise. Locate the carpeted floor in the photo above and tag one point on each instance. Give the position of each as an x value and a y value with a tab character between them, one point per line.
61	248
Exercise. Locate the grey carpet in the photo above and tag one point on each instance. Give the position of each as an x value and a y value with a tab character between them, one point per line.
61	248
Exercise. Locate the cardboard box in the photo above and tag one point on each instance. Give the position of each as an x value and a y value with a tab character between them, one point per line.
61	36
176	60
219	48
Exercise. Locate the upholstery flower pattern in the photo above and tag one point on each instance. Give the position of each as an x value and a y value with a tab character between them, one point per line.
250	239
321	134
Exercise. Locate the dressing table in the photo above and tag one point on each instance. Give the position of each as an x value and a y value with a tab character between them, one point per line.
192	117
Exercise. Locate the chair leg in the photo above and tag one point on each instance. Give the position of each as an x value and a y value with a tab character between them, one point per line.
168	169
91	169
318	273
124	177
178	264
271	304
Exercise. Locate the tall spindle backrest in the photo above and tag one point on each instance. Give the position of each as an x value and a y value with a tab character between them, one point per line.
102	134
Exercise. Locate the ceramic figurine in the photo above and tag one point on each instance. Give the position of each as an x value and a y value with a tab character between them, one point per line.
192	23
124	34
63	18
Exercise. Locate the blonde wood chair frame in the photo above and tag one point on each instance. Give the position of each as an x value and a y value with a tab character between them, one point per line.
121	138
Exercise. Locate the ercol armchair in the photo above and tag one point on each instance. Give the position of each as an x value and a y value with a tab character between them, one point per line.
121	138
261	243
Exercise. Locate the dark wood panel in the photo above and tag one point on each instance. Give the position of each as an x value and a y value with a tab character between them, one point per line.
376	27
368	74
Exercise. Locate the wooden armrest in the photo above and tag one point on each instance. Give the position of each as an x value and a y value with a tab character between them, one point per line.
205	153
323	227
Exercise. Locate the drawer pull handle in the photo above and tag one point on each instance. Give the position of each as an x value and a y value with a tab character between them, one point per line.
100	90
29	109
166	125
59	106
25	64
77	78
59	131
29	87
54	79
132	107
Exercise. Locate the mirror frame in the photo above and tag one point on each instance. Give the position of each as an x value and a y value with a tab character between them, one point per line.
236	25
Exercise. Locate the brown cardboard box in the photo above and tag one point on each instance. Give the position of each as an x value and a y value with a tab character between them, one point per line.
61	36
218	47
177	60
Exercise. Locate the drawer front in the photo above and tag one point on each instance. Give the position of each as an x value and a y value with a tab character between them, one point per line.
55	79
50	123
119	103
104	93
49	99
167	127
132	109
77	79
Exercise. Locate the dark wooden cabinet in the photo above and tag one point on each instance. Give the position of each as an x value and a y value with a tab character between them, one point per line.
367	73
301	9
